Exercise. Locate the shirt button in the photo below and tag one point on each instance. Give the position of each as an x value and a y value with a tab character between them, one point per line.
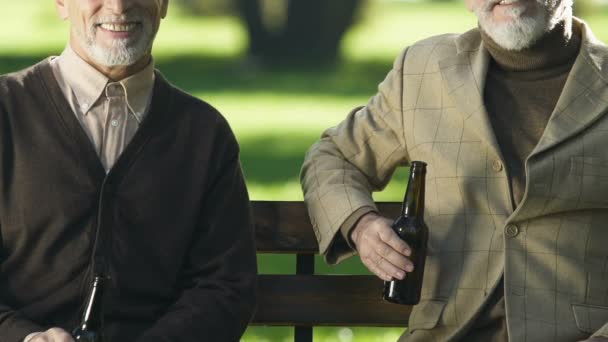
497	165
512	230
114	122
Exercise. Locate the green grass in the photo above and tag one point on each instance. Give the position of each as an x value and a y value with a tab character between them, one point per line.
276	114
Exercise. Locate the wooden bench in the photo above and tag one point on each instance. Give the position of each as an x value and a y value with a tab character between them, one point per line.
304	300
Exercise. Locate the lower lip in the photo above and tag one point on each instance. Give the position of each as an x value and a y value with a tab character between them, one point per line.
119	34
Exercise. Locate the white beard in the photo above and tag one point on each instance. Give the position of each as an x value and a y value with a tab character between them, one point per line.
521	32
122	52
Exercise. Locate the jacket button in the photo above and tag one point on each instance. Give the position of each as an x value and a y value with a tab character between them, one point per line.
512	230
497	165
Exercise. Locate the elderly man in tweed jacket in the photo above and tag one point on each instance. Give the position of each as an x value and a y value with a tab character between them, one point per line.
512	118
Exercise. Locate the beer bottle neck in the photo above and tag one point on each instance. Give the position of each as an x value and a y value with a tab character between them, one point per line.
93	313
413	203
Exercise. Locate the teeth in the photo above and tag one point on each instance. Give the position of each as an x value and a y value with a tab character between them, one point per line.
507	2
118	27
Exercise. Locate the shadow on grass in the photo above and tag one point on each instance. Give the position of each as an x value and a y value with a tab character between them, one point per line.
209	74
274	159
12	63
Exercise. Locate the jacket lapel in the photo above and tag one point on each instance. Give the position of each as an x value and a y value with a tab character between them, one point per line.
464	76
585	95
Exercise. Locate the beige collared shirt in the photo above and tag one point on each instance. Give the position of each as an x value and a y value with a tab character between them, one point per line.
109	112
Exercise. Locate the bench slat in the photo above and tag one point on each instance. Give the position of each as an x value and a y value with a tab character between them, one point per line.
284	227
326	300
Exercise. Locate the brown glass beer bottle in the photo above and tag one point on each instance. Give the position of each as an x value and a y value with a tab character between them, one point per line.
91	326
411	228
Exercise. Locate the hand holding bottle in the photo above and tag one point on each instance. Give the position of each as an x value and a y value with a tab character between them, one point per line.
411	228
380	248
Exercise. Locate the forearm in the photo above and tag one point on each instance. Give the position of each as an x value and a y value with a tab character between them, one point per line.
217	283
338	188
218	288
205	314
355	158
342	246
331	199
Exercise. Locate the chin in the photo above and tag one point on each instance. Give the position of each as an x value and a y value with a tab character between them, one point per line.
120	52
516	33
114	57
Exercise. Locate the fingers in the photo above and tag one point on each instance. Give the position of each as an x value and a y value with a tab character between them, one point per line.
392	257
380	249
53	335
382	267
371	265
392	239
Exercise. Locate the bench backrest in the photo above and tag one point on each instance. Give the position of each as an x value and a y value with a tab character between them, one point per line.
304	299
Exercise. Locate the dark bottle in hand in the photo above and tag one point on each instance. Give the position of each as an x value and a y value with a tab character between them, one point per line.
91	326
411	228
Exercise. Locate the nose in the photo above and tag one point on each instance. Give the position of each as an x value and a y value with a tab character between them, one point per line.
118	6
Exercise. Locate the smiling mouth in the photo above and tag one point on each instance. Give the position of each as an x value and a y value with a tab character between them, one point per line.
118	27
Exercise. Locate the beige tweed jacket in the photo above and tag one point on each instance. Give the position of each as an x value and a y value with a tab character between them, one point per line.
552	249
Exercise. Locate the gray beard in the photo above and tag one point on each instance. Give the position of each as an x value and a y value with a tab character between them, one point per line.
516	35
122	52
522	32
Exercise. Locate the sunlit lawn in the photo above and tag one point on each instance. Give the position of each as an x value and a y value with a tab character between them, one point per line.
276	114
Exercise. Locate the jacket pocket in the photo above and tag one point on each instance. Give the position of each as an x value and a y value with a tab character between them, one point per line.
590	318
425	315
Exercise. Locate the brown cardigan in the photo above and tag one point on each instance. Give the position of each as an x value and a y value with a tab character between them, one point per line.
170	223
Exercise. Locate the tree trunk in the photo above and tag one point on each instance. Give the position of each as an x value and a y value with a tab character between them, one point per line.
312	32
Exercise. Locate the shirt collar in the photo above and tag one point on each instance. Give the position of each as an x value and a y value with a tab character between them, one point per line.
88	84
138	90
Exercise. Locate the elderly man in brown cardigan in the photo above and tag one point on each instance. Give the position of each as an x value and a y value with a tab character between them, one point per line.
512	118
108	169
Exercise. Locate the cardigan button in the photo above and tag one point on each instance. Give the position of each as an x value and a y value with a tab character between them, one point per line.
512	230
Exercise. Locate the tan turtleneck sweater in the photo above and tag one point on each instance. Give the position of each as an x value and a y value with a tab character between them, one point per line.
522	89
